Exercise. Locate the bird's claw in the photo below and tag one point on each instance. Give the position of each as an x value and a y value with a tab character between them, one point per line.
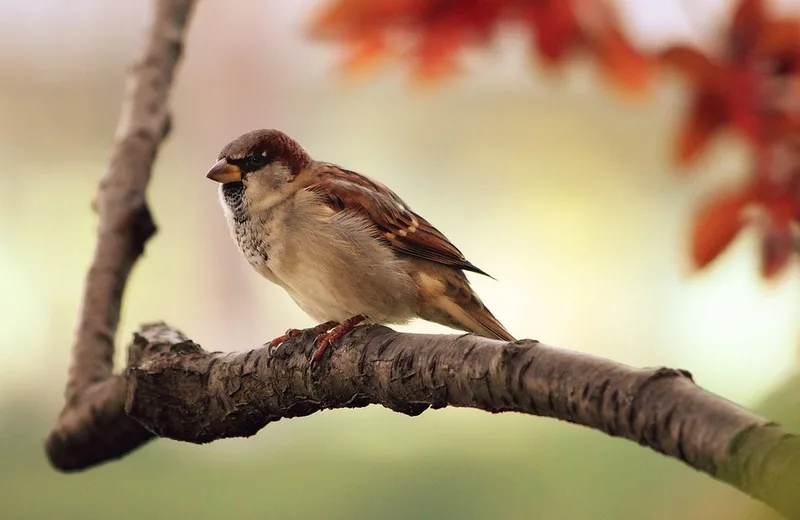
327	338
321	343
276	344
326	334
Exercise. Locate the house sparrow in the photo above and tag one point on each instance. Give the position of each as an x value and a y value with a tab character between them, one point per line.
345	247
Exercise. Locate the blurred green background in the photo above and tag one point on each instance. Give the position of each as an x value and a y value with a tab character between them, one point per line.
552	183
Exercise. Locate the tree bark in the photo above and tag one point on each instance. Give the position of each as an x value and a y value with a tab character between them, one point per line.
172	388
179	391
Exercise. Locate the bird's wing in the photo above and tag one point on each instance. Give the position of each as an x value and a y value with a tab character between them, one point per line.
405	231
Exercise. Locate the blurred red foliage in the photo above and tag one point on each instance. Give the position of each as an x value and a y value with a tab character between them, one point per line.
439	29
752	86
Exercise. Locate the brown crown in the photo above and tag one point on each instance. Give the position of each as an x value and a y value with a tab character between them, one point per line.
275	143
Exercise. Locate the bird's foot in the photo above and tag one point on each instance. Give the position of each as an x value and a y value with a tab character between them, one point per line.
327	337
275	344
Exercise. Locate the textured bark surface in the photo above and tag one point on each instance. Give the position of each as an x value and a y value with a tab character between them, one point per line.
179	391
172	388
91	428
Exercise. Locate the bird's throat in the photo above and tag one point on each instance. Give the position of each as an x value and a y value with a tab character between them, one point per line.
233	195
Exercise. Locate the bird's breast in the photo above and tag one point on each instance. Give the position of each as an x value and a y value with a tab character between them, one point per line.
253	243
250	232
333	267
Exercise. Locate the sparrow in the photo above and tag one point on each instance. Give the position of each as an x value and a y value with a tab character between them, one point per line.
344	247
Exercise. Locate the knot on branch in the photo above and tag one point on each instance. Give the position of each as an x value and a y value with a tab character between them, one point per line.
154	339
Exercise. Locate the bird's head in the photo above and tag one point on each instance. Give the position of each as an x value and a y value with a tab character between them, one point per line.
260	166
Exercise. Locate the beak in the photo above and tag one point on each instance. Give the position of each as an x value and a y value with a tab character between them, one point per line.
224	173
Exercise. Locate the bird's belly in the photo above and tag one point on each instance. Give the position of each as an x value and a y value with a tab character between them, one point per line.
332	282
319	302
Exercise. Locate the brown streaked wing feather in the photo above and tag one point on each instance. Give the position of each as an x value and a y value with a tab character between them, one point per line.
404	230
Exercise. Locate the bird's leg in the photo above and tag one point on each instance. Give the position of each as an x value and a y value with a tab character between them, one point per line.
275	344
328	337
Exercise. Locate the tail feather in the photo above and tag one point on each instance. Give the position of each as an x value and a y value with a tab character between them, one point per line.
449	300
468	314
492	325
473	316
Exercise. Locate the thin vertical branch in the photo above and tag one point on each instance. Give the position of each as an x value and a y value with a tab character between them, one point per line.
125	225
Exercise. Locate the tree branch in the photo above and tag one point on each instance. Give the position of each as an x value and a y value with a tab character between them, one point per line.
179	391
125	224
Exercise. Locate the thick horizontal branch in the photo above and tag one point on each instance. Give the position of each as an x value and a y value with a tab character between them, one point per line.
178	390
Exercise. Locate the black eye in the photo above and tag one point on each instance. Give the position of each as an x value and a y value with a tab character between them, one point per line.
254	162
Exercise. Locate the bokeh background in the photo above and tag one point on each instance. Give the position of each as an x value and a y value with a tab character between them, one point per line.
561	189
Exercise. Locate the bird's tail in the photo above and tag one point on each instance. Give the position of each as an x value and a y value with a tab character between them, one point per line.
477	318
458	306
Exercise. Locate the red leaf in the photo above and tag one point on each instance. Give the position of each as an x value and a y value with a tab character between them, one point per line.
437	52
741	101
480	17
779	37
555	27
336	18
777	245
694	64
621	62
781	207
706	116
746	28
364	54
716	225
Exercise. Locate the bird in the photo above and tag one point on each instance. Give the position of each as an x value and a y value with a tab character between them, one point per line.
343	246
